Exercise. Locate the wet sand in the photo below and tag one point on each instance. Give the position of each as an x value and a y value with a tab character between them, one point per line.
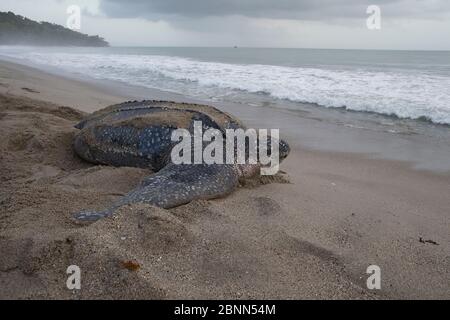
309	233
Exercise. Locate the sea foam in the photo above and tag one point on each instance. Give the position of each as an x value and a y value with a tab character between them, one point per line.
403	93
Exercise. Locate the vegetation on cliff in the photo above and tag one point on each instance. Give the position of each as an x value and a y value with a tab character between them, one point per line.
18	30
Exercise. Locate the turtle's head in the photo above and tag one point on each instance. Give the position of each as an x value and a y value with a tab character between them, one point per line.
284	150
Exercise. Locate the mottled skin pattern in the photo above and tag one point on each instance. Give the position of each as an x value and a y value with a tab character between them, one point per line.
138	134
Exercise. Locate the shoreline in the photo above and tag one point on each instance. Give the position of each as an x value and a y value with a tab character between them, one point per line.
418	144
314	237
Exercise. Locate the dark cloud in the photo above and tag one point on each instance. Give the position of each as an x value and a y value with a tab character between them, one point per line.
278	9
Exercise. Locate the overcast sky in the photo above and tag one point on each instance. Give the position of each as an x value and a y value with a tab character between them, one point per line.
405	24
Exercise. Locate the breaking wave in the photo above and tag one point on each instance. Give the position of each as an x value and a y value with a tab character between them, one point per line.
403	93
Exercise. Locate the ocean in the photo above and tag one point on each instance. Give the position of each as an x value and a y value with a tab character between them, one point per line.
403	84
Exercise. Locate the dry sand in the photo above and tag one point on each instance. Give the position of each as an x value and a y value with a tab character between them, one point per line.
311	238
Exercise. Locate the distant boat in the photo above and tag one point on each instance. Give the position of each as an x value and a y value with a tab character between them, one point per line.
235	47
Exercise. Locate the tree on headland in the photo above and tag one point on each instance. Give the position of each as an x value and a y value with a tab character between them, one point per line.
18	30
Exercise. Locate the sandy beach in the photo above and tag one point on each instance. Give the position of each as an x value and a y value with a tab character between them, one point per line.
308	233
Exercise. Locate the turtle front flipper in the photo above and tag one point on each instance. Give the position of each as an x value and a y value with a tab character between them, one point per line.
175	185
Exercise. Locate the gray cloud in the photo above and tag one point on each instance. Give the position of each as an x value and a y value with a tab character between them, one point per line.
406	24
276	9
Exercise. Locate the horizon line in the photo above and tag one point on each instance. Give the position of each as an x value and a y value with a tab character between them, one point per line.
264	47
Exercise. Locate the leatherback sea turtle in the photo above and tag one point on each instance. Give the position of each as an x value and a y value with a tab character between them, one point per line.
138	134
